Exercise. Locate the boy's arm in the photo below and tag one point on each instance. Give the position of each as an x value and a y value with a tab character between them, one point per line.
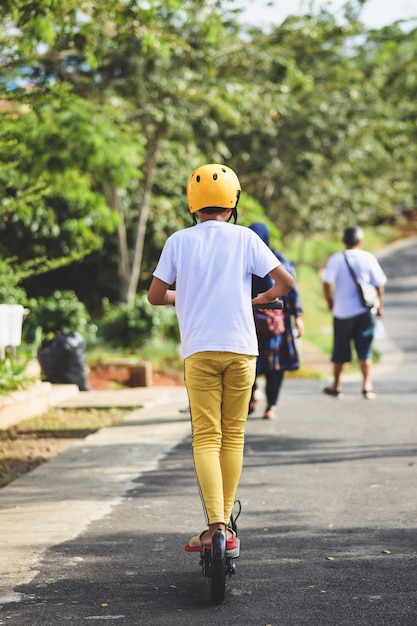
159	292
283	281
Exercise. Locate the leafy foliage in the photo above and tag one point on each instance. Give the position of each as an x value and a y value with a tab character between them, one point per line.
10	277
62	312
13	375
130	326
50	202
330	157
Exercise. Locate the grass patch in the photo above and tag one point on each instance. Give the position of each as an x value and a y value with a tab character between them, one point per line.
306	373
26	445
318	323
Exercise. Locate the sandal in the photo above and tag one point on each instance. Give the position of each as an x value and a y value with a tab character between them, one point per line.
252	407
195	545
332	392
368	394
270	413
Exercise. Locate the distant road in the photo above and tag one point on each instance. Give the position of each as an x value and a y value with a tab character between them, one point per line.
399	262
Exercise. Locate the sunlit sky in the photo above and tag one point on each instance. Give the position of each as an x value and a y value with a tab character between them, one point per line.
375	14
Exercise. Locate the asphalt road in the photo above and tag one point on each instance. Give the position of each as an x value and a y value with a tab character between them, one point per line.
329	505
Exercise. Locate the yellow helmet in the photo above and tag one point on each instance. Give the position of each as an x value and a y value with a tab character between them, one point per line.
213	185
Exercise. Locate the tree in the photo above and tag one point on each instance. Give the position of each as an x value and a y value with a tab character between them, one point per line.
390	66
328	158
121	100
157	62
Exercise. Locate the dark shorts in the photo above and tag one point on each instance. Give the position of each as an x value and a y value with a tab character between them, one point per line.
360	330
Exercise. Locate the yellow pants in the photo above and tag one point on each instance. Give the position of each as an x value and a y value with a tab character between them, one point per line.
219	387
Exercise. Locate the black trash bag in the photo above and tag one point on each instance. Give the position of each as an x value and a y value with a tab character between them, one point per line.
62	360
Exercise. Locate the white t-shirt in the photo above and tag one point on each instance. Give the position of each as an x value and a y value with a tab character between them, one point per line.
347	301
212	264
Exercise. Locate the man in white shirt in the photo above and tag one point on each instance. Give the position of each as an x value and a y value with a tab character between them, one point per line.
212	265
352	321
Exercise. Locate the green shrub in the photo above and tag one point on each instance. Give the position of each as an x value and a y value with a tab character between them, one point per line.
61	312
131	326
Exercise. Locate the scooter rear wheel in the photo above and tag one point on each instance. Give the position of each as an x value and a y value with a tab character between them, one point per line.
218	567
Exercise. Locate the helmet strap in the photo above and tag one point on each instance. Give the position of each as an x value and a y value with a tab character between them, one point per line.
195	221
234	215
234	211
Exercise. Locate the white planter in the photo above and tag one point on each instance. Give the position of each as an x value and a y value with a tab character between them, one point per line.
11	321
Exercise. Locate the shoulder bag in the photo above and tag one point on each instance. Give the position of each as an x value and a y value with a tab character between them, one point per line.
367	292
269	322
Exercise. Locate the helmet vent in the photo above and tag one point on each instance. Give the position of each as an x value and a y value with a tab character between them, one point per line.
198	178
214	176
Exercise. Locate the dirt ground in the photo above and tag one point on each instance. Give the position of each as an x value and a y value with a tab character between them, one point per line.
112	377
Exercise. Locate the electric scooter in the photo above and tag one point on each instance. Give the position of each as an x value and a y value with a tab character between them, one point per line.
216	561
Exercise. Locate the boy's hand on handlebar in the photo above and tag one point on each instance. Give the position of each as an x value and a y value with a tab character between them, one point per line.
262	301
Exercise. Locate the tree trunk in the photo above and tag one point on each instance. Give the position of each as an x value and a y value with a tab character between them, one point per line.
149	167
124	269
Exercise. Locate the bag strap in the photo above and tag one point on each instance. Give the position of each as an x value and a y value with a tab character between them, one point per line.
352	273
